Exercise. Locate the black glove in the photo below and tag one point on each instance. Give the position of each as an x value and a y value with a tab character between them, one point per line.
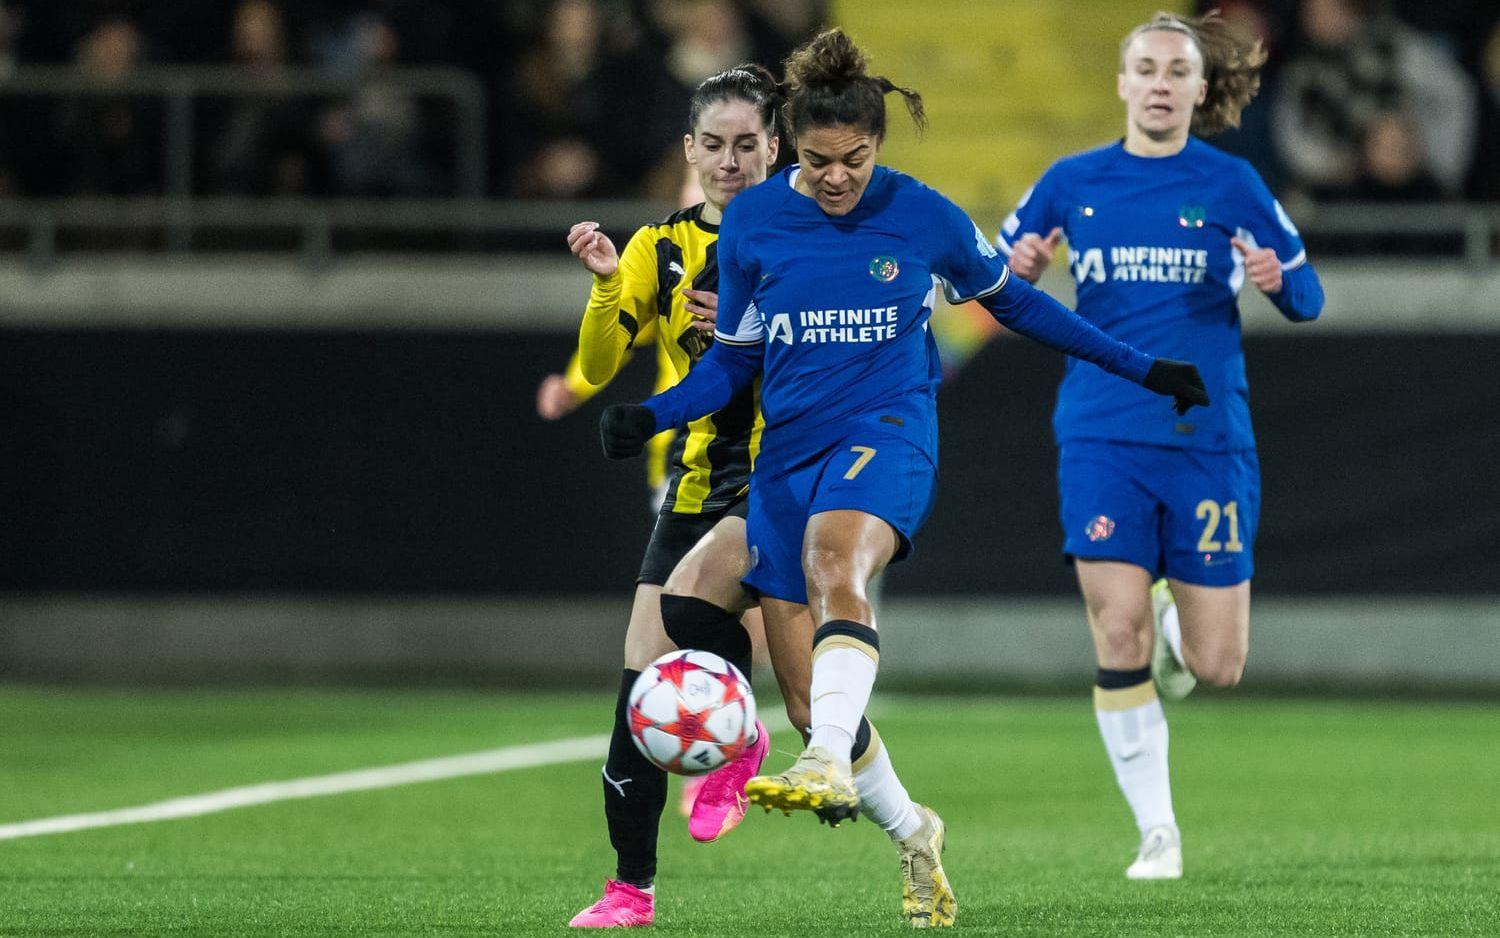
624	430
1179	380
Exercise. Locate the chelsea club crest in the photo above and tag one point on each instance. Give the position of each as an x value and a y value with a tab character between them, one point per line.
1191	216
884	268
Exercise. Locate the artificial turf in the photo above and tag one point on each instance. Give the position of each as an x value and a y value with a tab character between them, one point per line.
1299	818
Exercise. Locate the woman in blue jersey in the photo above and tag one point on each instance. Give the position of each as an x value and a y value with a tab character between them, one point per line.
828	275
1162	232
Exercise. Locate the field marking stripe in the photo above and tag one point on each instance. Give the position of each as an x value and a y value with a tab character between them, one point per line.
486	762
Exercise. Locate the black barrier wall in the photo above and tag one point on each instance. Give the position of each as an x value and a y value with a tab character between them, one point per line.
394	462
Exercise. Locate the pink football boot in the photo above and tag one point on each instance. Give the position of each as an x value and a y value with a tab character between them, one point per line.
623	906
721	801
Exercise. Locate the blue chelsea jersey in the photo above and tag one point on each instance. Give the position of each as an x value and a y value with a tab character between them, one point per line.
1149	247
842	304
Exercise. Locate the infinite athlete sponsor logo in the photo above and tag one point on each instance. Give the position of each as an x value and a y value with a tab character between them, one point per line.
835	325
1142	264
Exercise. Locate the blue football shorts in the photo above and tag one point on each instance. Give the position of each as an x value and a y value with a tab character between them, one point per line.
1181	513
885	475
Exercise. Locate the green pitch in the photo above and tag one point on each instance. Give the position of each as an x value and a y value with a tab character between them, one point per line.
1299	818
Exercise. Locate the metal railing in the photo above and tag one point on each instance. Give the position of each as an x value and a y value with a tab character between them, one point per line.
179	88
180	217
1477	225
313	223
1473	230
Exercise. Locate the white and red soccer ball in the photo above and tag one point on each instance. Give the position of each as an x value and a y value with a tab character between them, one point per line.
691	712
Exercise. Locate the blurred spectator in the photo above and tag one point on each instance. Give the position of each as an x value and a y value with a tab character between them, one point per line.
11	19
10	160
263	146
776	27
1353	64
1394	163
581	106
112	143
1252	139
703	38
1486	176
708	36
375	142
259	44
585	95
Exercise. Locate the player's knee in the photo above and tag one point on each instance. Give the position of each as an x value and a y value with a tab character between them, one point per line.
1218	668
1222	673
707	574
826	570
1123	640
831	580
687	579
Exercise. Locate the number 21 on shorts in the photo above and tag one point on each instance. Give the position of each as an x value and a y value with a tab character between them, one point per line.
1211	513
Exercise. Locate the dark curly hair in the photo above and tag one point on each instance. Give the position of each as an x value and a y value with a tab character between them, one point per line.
828	84
1231	66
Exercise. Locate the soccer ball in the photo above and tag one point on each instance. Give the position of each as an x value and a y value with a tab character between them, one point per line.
691	712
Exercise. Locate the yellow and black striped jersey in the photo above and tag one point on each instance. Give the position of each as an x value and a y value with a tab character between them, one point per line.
710	462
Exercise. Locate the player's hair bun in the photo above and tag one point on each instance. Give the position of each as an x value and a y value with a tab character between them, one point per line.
828	83
831	57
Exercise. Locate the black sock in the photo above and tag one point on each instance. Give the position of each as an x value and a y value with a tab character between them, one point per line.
861	741
697	623
1113	679
635	791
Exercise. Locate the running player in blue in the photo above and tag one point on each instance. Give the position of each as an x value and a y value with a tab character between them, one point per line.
828	275
1162	231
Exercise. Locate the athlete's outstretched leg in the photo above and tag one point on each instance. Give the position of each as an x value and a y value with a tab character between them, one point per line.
1130	716
916	830
634	790
841	552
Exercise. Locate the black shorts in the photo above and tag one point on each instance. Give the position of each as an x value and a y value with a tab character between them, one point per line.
676	534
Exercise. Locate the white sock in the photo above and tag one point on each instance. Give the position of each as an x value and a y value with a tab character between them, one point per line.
843	675
1171	627
1134	728
882	797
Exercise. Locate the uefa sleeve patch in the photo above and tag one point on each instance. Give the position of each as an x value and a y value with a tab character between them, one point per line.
985	247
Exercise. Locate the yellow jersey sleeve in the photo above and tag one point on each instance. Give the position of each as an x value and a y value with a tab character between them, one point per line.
620	307
580	386
576	382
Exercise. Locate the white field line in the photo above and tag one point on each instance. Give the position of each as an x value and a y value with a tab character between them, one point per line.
489	761
506	759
